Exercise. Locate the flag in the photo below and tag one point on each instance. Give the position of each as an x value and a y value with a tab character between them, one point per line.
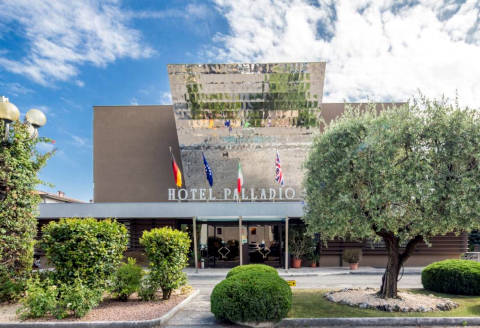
177	174
278	170
208	171
239	179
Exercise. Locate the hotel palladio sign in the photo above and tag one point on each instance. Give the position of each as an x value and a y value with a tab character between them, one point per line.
229	194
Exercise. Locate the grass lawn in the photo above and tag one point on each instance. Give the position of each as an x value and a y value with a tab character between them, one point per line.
308	303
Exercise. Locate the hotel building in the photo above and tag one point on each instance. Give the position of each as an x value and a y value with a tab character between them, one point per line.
234	115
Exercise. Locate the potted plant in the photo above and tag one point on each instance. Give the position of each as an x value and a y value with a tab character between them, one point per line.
299	245
352	256
315	257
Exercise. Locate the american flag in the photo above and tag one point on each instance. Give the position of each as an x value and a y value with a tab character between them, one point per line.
278	170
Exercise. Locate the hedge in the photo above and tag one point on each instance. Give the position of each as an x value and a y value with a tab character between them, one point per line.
251	267
251	296
84	249
461	277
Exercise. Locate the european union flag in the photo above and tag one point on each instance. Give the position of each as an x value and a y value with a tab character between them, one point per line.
208	171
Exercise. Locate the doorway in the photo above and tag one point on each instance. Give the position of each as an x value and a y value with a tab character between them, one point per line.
219	244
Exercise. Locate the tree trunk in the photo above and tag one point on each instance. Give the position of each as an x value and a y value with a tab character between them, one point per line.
390	277
166	293
395	262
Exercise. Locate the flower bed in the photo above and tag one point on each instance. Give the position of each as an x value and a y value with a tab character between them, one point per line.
406	302
111	309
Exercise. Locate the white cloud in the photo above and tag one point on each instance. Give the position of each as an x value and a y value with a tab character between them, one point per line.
14	89
80	141
60	35
165	98
44	147
375	49
191	11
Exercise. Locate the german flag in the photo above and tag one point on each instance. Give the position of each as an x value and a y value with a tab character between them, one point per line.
177	174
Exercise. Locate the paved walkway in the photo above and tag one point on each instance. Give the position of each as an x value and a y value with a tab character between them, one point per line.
304	271
197	313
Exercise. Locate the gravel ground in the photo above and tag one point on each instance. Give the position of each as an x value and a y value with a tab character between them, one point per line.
109	310
8	312
406	302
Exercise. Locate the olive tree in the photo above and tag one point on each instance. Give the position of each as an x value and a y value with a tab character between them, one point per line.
401	175
19	165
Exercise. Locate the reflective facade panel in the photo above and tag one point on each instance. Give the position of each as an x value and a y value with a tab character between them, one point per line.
244	113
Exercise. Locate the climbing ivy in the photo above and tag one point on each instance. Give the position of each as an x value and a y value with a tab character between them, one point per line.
19	164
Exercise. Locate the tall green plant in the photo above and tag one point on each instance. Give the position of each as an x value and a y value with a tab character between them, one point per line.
167	250
402	175
19	165
84	249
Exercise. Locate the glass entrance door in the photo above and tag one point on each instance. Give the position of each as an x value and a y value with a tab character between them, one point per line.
219	244
264	243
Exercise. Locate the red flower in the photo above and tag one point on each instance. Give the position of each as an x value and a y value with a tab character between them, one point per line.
53	141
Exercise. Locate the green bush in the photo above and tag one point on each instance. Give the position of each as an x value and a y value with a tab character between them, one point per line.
461	277
251	267
127	279
11	289
78	299
44	298
40	299
251	296
167	250
147	289
84	249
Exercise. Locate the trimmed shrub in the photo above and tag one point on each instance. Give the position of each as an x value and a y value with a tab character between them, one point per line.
167	250
84	249
460	277
251	296
250	268
127	279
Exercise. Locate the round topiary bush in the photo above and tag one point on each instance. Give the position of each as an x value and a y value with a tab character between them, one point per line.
251	296
251	267
452	277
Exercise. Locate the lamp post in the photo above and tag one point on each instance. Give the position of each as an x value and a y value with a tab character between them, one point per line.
9	113
34	119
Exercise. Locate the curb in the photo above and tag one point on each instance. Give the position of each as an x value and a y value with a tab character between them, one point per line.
158	322
379	322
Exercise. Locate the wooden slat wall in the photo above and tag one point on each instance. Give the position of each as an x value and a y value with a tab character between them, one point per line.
138	226
440	245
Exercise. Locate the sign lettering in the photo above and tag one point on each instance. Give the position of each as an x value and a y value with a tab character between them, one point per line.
252	194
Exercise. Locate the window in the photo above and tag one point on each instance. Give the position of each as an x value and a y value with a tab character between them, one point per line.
219	231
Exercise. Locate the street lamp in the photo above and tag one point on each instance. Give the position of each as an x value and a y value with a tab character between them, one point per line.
10	113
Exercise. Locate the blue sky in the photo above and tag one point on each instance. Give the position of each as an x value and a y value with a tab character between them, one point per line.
66	56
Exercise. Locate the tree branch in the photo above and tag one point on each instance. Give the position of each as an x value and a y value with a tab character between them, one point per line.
412	244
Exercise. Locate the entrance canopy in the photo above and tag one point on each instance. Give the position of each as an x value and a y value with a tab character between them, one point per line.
202	210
